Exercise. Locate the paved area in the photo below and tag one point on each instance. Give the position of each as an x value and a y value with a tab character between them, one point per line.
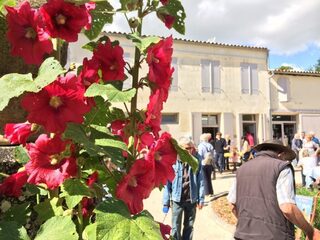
208	226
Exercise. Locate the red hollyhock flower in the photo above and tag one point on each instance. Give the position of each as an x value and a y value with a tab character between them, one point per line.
65	20
165	231
47	164
89	73
163	156
159	60
89	6
169	21
17	133
154	108
57	104
111	61
164	2
12	185
92	178
136	185
26	34
87	207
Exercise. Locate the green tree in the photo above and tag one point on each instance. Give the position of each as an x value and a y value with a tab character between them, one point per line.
284	68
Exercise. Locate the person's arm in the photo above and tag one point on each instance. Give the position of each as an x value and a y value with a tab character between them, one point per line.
295	216
167	194
287	204
232	198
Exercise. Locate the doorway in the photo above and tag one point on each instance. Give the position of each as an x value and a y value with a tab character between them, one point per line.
284	128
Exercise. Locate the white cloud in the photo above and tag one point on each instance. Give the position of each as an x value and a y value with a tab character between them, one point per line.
285	27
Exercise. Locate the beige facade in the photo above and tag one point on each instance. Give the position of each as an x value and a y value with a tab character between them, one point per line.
219	87
294	103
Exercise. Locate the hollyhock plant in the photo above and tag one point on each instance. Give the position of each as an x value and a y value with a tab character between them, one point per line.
47	163
18	133
89	73
164	2
159	60
165	231
13	184
163	155
136	185
65	20
57	104
111	61
169	20
26	34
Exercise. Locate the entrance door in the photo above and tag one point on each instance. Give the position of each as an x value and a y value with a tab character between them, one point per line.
283	132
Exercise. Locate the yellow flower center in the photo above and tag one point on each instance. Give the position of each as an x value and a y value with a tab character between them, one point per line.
61	19
54	160
55	102
30	33
133	182
157	156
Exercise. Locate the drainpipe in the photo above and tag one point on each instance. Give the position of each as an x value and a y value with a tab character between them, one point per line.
270	113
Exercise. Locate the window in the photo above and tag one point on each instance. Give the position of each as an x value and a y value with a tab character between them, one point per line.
248	117
283	89
209	120
170	118
210	76
283	118
249	78
128	82
174	83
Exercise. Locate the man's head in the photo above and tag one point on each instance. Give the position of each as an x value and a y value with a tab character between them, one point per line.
186	143
284	153
218	135
205	137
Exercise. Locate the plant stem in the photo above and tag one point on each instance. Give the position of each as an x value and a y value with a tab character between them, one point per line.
59	45
135	84
80	220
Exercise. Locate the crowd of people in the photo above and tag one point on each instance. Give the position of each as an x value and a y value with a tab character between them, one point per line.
272	180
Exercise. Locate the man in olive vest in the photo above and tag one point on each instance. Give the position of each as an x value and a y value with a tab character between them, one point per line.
263	196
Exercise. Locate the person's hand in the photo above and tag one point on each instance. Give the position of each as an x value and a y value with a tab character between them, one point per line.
200	206
165	209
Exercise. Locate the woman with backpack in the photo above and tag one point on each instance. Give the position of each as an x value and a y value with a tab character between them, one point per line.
205	150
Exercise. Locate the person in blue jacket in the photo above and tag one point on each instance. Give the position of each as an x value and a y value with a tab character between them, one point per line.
185	193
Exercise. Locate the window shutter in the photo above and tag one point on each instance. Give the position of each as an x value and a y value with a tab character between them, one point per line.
283	89
205	75
174	83
216	81
245	86
254	79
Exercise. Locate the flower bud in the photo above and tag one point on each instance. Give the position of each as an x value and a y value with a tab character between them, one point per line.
134	22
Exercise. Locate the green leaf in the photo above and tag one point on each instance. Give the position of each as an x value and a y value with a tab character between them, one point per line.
48	72
142	43
109	92
112	143
9	3
12	231
21	155
13	84
174	8
92	45
18	213
115	222
58	228
129	5
74	190
185	156
48	209
90	232
101	15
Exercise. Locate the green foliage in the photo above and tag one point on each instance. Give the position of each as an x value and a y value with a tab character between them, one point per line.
18	213
142	43
14	84
58	228
74	190
185	156
9	3
174	8
284	68
115	222
101	15
110	93
48	209
90	232
21	155
12	231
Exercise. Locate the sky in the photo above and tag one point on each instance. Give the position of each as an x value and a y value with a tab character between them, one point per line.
290	29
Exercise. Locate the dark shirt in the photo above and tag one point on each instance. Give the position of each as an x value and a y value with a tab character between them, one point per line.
219	144
185	196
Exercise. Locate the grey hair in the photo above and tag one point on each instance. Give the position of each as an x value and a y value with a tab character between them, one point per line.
205	137
185	141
